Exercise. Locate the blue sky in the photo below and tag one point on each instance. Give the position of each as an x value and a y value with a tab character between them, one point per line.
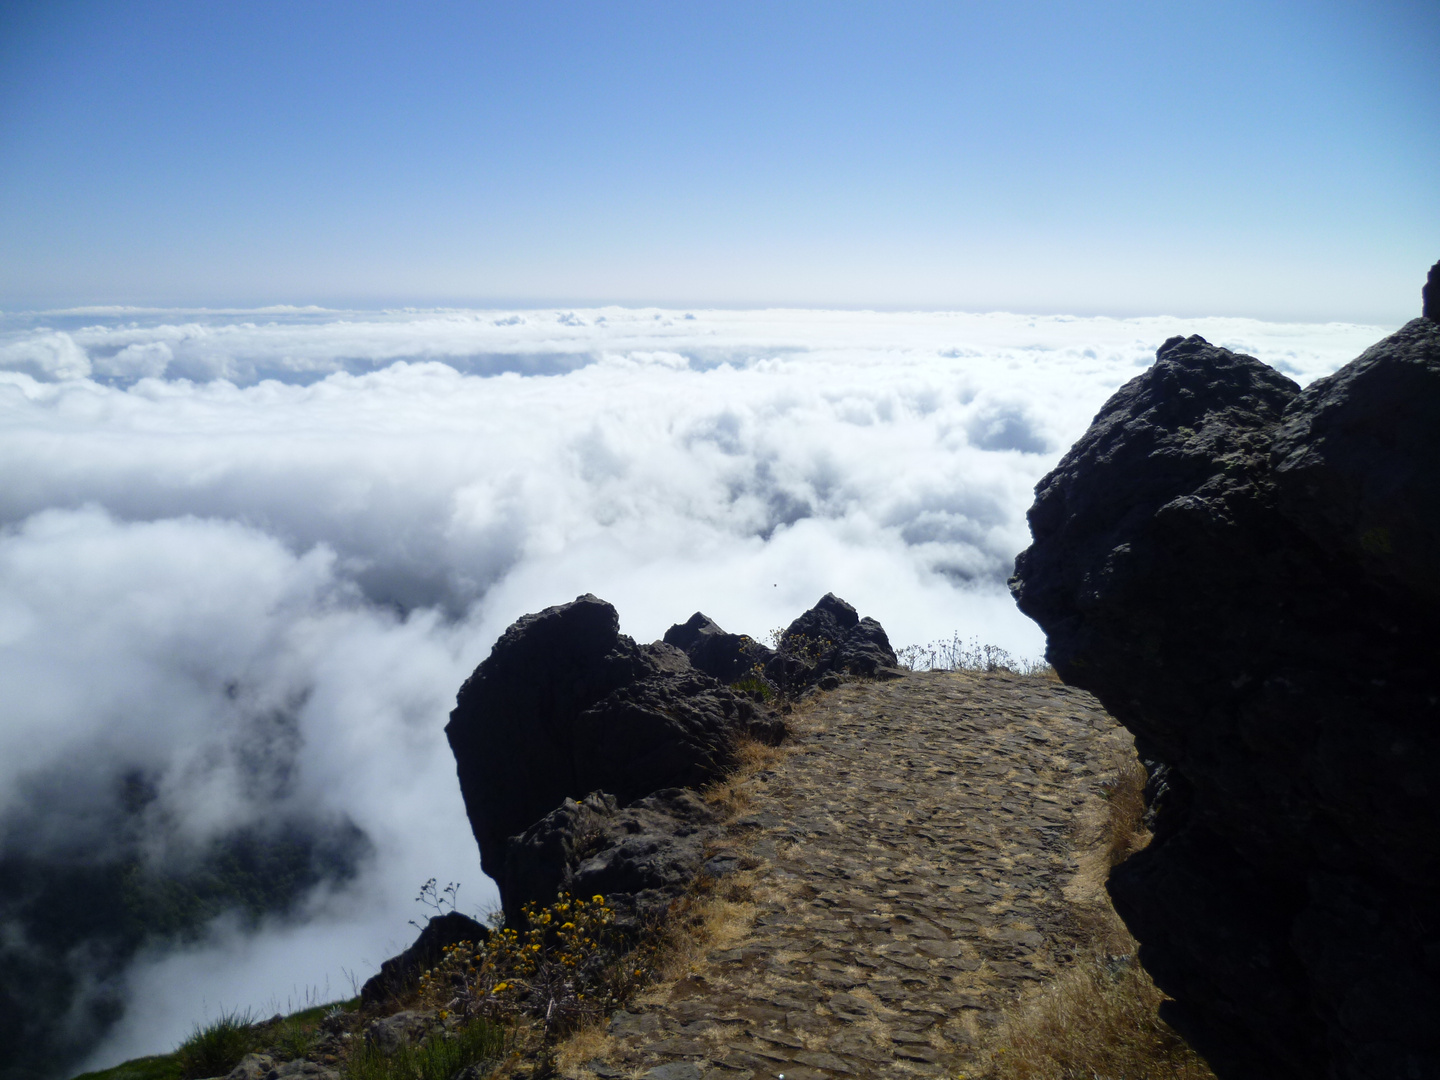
1279	160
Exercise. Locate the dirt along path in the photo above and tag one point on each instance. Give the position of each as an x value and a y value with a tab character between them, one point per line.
909	864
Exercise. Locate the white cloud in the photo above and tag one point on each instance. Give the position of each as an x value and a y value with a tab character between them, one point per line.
174	649
333	515
137	361
45	355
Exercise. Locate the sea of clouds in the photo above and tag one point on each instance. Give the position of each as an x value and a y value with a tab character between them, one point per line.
211	517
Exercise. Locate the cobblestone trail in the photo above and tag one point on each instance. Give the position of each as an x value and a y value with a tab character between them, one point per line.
908	858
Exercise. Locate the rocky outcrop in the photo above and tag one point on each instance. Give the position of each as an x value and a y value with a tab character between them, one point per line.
565	705
399	974
579	751
1430	295
1245	574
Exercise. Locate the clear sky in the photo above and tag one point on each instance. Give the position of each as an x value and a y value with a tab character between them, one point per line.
1273	159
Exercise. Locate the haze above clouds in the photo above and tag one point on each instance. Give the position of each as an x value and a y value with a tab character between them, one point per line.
330	516
1121	157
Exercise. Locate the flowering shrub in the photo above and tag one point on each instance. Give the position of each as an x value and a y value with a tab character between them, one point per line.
568	966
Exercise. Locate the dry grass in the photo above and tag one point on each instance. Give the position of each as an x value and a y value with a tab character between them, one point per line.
731	794
587	1044
713	915
1125	831
1098	1019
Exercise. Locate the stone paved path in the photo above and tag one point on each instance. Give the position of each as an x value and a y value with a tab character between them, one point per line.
908	859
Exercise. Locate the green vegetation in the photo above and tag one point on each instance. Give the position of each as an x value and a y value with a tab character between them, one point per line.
442	1055
754	685
294	1038
798	655
213	1049
216	1047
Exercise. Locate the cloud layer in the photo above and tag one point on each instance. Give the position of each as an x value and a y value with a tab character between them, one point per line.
256	553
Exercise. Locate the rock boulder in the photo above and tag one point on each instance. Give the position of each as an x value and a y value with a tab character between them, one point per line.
565	705
1246	575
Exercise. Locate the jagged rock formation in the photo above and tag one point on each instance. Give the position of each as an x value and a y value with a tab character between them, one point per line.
832	638
829	639
1430	295
727	657
1246	575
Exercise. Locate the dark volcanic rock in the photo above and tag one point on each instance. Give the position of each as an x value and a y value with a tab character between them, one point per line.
1246	575
831	638
723	656
1430	295
400	973
564	705
639	858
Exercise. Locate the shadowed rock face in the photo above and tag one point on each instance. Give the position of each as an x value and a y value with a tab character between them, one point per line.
640	857
565	705
1246	575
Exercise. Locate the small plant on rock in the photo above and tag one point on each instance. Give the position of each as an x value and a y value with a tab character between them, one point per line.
213	1049
441	901
754	684
796	656
293	1038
